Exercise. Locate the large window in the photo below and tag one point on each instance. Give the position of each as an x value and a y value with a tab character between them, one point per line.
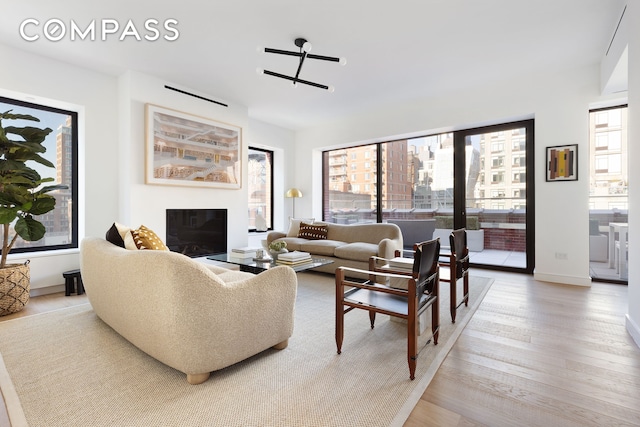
474	178
260	189
61	224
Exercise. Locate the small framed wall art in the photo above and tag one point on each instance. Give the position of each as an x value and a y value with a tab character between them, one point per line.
182	149
562	163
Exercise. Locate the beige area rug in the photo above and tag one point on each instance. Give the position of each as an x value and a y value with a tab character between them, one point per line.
68	368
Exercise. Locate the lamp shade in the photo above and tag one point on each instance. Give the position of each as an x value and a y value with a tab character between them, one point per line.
293	192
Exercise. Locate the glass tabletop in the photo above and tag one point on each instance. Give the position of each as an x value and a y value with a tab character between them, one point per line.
253	265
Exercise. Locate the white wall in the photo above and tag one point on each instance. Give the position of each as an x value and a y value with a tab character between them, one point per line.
112	145
633	316
559	102
146	204
94	96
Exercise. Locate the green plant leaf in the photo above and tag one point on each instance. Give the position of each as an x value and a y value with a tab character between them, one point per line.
18	194
7	200
7	115
29	133
29	229
11	165
7	215
28	145
24	155
16	179
41	205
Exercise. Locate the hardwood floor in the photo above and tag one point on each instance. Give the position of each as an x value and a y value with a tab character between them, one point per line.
534	354
539	354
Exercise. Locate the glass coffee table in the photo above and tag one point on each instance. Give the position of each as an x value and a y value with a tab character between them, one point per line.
250	265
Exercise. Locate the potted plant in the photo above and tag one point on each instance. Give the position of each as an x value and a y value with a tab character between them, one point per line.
276	248
22	196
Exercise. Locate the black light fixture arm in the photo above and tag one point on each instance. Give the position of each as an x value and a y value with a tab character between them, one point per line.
282	52
303	54
295	80
299	54
305	47
324	58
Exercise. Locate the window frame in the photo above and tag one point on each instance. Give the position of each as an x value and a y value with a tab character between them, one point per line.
73	185
271	199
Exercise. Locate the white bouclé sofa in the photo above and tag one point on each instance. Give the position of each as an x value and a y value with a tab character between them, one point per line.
346	245
190	316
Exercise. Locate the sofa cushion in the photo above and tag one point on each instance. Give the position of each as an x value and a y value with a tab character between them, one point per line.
144	238
294	225
313	232
357	251
116	234
321	247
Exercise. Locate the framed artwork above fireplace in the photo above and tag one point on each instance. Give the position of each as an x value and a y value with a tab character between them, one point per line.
183	149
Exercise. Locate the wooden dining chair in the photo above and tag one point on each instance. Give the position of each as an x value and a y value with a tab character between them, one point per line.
375	297
455	267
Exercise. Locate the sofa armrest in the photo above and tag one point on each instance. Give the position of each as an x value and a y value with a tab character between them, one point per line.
274	235
387	247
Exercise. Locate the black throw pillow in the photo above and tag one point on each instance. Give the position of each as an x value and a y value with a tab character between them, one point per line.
113	236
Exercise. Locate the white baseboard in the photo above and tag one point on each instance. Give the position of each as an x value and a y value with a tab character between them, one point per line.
633	329
565	280
46	290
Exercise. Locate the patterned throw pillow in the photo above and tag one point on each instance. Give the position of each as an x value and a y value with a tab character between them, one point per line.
144	238
313	231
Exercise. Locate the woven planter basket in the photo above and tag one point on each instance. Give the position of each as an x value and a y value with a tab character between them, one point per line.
15	284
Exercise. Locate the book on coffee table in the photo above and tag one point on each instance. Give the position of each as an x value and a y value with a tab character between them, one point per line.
293	263
243	250
243	253
294	256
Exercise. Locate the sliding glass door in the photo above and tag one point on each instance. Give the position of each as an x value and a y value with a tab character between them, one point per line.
497	208
430	185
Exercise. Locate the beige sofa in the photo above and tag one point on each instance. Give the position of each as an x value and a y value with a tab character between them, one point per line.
190	316
346	245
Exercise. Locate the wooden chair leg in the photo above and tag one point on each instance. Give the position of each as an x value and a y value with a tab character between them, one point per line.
372	318
466	289
435	320
412	344
453	298
339	311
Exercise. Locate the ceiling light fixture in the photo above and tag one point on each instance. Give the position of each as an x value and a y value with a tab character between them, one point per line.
305	48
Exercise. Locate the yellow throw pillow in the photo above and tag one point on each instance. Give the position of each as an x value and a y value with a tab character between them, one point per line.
144	238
